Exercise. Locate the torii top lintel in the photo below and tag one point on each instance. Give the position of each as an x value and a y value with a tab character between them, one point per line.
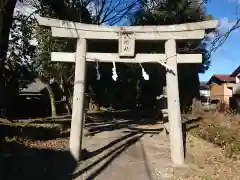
61	28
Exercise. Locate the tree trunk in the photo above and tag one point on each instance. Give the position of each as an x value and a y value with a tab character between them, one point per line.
6	17
52	100
90	104
64	89
68	104
98	108
70	96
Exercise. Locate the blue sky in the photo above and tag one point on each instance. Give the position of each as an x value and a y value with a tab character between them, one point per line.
227	58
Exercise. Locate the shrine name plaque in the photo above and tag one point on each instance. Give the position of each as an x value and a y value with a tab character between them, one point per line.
126	44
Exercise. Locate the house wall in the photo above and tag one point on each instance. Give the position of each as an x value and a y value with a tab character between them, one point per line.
216	92
236	86
236	89
205	92
238	78
205	95
236	103
227	92
220	92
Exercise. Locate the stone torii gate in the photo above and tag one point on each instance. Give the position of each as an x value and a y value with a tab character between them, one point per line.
126	36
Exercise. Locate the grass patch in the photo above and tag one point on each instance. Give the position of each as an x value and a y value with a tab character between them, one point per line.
221	130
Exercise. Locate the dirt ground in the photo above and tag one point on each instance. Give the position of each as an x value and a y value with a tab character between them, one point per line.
148	158
119	152
209	162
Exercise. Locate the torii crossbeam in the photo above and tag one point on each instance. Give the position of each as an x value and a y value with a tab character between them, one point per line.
126	36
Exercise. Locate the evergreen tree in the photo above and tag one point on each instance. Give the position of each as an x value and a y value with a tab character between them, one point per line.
157	12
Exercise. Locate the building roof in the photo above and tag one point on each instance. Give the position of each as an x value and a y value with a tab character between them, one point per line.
224	77
35	87
236	72
204	86
203	83
221	78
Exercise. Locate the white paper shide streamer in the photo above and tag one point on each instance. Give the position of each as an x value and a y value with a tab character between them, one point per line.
97	69
114	72
144	73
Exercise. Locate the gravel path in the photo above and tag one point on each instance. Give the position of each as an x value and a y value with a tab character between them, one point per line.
135	156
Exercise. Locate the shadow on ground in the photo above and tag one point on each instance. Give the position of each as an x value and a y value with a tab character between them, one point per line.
187	126
36	164
17	161
129	139
95	123
21	162
109	121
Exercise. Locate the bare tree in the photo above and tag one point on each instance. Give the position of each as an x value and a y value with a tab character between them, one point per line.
219	37
109	12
